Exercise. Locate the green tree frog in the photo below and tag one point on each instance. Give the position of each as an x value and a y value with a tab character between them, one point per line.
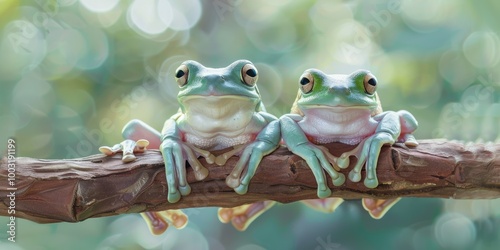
219	108
346	109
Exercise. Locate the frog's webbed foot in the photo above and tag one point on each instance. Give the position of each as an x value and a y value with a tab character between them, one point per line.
378	207
158	222
249	160
128	147
327	205
175	153
222	159
242	216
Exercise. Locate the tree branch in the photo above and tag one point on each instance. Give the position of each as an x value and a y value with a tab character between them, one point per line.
76	189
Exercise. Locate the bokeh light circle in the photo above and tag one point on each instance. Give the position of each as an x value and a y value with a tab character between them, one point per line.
143	16
454	231
482	49
185	14
99	5
455	69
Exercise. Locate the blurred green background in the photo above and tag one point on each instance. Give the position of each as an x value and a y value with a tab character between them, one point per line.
73	72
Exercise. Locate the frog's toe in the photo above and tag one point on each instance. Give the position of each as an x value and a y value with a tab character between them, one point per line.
354	176
155	222
173	196
241	189
185	190
210	159
343	161
106	150
410	140
220	161
178	219
340	180
232	182
371	183
201	173
128	158
377	208
324	192
142	144
242	216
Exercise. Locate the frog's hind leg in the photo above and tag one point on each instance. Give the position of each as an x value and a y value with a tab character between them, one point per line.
408	125
377	208
158	222
328	205
242	216
137	129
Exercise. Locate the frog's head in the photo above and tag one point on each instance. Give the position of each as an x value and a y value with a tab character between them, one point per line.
337	93
218	87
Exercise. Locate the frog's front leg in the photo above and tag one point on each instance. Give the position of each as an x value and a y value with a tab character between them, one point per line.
297	143
266	142
387	132
175	153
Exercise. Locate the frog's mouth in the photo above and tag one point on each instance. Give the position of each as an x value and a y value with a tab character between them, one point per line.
218	107
339	108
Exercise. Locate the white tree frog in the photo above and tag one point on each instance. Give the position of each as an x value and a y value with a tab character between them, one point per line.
346	109
219	108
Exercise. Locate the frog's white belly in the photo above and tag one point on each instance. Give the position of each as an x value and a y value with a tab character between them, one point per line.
214	134
325	126
217	122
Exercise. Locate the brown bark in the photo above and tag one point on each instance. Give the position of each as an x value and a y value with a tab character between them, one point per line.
76	189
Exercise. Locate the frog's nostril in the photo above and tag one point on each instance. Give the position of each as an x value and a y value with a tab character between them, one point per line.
340	90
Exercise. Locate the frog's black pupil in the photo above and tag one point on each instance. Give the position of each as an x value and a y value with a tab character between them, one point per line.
304	81
179	73
251	72
372	82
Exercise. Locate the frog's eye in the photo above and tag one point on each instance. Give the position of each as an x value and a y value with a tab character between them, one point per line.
306	82
181	75
249	74
370	83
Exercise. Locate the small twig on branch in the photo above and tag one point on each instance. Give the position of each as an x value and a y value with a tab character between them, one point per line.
76	189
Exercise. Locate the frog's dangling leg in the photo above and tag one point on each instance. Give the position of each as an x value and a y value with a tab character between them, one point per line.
128	147
222	159
377	208
242	216
327	205
158	222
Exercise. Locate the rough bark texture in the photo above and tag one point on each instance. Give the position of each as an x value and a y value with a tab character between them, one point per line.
76	189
